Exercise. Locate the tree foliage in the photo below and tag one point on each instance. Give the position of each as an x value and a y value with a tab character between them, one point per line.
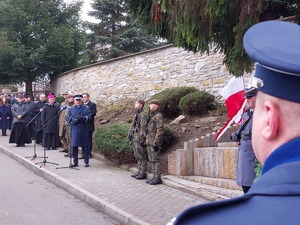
39	38
117	33
204	26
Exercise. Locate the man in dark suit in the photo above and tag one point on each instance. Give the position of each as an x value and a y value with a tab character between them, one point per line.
78	116
274	198
91	124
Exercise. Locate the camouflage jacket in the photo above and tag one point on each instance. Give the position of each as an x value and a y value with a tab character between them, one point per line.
155	129
139	123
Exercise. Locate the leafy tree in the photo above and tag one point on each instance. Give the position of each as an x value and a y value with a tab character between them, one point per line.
117	33
199	25
39	38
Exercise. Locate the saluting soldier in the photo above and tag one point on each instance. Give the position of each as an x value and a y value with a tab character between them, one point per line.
137	135
78	116
154	141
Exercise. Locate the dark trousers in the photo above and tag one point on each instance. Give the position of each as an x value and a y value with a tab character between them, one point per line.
84	152
90	146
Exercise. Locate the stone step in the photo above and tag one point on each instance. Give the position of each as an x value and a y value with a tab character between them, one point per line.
208	192
227	144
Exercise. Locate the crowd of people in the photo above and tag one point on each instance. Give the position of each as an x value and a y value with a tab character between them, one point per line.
69	124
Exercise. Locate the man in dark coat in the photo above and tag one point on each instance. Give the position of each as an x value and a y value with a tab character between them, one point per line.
38	108
5	115
91	124
274	198
49	119
30	123
245	169
19	133
78	116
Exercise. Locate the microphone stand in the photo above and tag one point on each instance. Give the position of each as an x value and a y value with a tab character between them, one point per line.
34	140
45	161
70	151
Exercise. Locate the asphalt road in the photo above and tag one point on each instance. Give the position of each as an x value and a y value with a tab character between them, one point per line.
27	199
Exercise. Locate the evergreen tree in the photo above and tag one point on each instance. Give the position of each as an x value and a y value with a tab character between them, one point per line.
39	38
197	25
117	33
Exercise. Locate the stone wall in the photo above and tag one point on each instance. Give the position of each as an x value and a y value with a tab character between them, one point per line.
144	74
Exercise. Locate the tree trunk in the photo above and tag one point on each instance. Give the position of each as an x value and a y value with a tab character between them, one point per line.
29	88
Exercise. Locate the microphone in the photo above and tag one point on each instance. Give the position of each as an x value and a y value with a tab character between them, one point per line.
62	108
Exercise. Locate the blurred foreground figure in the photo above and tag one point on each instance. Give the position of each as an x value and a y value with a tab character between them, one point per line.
275	197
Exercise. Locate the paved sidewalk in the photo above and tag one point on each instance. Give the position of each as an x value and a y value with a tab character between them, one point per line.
107	188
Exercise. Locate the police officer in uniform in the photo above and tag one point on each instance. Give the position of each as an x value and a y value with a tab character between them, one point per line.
137	135
78	116
154	141
245	170
274	198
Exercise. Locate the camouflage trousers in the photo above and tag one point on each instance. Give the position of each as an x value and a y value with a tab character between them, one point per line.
155	161
140	153
66	138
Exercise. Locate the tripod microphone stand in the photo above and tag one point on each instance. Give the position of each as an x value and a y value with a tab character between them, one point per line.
34	139
45	161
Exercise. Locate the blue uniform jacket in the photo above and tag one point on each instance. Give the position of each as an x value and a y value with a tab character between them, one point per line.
79	130
273	199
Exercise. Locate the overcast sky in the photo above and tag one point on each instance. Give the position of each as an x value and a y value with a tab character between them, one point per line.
86	8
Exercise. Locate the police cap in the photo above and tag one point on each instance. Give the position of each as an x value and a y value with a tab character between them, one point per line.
274	46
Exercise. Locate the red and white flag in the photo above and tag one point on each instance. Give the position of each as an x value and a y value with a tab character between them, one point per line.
233	93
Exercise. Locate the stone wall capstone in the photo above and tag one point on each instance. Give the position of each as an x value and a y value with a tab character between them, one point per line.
145	74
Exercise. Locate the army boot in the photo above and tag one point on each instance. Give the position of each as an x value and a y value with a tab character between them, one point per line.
156	181
148	181
135	174
141	176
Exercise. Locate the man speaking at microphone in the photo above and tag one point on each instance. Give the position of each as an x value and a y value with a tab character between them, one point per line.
49	120
78	116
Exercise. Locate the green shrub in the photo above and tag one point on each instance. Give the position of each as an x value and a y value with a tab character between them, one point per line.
113	138
258	169
112	142
169	138
170	98
59	99
197	103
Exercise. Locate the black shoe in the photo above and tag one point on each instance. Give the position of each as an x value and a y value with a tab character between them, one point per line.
148	181
141	176
68	155
23	145
18	145
74	165
47	148
65	150
53	148
135	175
86	165
156	181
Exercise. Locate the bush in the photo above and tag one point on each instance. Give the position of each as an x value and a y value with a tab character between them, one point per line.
112	141
59	99
169	139
197	103
170	98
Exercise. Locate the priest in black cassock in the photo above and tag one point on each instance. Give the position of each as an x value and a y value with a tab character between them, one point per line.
49	119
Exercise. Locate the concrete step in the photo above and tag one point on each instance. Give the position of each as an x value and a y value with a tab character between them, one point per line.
208	192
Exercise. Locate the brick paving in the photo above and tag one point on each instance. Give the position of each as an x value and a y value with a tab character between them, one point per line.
107	188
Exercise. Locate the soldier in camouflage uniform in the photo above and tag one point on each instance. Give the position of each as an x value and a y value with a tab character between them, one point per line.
137	135
154	141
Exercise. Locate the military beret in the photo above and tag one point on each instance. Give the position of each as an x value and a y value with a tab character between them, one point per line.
154	101
141	101
20	96
78	97
26	95
274	46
